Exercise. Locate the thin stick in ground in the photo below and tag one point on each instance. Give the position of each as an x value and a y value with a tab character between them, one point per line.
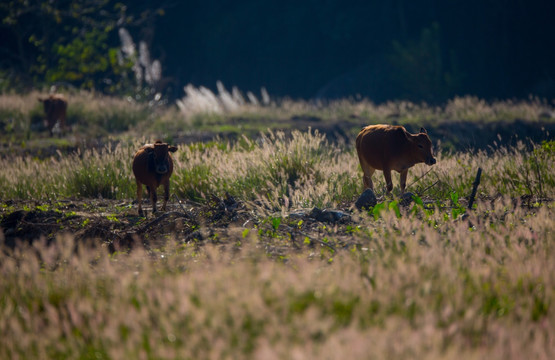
474	188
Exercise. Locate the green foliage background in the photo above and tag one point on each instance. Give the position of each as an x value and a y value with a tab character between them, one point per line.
416	50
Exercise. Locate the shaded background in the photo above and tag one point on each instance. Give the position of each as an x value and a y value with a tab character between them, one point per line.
420	50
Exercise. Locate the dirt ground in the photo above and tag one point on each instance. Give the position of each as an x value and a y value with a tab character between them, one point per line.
117	224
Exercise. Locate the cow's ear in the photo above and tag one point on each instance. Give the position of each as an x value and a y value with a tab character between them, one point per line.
423	131
172	148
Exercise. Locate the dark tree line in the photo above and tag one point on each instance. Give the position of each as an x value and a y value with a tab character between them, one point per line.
423	50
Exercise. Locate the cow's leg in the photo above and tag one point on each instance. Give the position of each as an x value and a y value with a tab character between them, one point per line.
153	198
367	179
404	180
50	124
63	122
140	197
166	193
388	182
367	171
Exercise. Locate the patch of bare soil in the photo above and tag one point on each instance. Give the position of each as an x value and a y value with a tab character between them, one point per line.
117	224
222	221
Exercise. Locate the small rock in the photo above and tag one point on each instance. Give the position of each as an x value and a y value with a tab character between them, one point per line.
366	200
315	212
406	199
330	216
297	215
340	216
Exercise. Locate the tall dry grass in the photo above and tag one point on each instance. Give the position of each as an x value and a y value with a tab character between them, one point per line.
88	114
198	101
434	289
279	171
92	173
202	100
94	116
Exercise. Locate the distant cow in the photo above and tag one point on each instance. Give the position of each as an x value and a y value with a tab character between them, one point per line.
389	147
55	107
153	166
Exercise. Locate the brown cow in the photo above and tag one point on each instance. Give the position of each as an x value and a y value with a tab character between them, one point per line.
153	166
389	147
55	107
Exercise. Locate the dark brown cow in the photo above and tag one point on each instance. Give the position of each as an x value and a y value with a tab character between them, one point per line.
55	107
153	166
389	147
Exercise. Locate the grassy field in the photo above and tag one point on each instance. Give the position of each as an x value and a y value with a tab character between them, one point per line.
244	265
462	123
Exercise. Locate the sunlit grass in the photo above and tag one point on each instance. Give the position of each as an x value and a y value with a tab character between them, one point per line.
198	101
94	116
89	115
281	171
91	174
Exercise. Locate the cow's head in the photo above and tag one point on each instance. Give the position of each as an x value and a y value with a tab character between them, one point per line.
424	147
158	155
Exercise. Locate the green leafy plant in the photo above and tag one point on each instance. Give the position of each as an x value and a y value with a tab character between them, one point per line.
457	208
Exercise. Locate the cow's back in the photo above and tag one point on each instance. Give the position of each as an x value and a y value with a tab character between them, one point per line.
380	146
140	166
55	105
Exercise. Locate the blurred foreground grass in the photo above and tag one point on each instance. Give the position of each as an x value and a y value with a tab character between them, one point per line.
406	288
